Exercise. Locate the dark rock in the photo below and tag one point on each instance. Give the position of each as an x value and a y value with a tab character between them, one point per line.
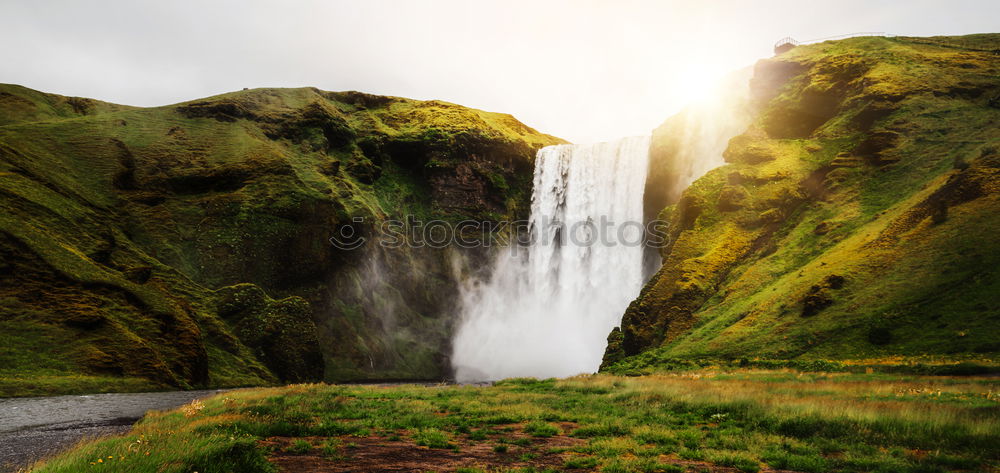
880	335
873	112
221	110
364	171
876	147
834	281
844	160
815	301
316	125
125	177
771	216
329	169
835	177
614	351
80	105
360	99
818	297
140	274
281	332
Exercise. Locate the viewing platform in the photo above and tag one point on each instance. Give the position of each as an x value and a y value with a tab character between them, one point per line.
788	43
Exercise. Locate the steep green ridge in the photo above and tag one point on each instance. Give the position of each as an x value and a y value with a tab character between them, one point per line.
856	218
188	245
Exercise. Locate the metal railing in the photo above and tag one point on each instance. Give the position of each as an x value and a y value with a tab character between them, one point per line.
794	42
788	40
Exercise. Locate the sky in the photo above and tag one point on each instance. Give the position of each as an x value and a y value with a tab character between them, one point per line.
582	70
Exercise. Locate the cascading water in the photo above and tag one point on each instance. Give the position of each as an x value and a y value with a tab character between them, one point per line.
547	311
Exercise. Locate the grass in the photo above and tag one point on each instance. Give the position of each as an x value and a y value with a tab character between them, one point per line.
735	281
299	447
432	438
94	195
333	449
580	462
541	429
743	419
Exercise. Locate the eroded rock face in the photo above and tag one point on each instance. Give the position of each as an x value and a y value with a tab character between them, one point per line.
854	180
281	333
89	322
244	191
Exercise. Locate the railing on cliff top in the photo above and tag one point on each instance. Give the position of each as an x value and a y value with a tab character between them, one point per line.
788	40
959	44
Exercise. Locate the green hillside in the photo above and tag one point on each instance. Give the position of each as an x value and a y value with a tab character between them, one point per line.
188	245
856	218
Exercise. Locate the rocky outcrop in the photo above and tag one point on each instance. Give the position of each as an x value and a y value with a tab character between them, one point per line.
281	333
196	237
856	201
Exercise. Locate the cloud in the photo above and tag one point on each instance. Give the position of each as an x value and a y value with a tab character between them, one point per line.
583	70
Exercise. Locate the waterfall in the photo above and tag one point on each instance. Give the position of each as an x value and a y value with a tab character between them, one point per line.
546	309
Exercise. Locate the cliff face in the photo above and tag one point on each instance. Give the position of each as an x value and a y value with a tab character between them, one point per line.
178	245
854	218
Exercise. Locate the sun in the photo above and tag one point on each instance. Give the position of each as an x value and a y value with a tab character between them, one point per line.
700	81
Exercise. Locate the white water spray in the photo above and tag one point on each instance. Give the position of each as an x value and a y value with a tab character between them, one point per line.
701	132
547	312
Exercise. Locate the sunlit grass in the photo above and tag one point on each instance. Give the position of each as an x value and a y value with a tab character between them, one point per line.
748	420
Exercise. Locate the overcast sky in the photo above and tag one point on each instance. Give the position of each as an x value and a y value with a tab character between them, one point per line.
582	70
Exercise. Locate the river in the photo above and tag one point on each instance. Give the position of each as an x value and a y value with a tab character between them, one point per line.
32	428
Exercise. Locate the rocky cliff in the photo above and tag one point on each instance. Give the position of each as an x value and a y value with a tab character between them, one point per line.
855	218
189	245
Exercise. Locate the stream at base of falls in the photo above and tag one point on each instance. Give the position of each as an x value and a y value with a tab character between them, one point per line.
32	428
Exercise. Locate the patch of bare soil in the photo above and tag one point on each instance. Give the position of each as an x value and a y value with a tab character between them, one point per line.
400	454
379	453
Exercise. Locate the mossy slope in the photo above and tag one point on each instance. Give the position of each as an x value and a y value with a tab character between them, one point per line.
119	223
856	218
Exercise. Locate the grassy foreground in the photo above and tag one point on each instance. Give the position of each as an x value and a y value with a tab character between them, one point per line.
738	420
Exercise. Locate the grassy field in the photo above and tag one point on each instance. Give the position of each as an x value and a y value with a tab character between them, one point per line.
733	420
